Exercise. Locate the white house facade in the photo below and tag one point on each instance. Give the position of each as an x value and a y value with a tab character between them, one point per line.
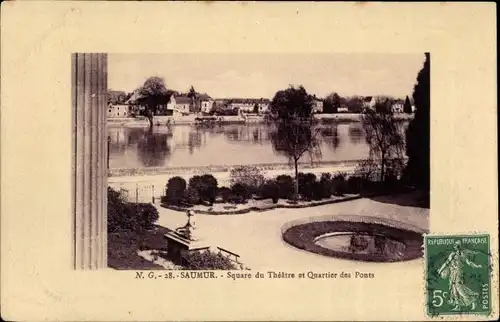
248	104
118	110
206	104
317	106
179	105
397	107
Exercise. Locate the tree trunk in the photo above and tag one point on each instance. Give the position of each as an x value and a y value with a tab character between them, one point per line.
149	115
382	168
296	163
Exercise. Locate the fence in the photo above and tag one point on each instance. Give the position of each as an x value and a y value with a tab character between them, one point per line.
140	192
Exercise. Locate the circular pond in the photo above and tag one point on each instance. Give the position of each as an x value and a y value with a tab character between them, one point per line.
363	241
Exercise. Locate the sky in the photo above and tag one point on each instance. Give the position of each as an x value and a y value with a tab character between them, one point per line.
262	75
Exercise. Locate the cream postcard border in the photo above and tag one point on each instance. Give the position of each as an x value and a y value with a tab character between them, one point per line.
37	41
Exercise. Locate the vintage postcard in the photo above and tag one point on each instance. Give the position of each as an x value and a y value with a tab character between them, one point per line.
249	161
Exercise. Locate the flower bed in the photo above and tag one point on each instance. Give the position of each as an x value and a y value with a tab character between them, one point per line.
257	205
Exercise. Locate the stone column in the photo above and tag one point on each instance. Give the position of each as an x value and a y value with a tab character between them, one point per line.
89	86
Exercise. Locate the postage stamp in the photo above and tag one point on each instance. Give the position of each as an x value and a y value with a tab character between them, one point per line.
458	274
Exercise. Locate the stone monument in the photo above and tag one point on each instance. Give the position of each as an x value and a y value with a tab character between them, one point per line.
185	238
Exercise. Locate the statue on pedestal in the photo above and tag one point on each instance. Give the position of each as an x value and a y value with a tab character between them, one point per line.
188	230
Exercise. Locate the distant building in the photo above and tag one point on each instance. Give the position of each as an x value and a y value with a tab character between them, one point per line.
317	105
343	109
205	103
118	110
248	104
179	105
397	106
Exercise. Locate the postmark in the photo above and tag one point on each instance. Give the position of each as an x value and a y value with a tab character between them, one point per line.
458	274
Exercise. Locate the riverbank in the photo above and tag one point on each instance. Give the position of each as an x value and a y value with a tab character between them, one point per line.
191	119
145	188
346	165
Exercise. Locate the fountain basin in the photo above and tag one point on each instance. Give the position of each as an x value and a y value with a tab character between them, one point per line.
363	240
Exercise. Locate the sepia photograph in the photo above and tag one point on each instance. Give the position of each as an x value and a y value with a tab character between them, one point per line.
250	161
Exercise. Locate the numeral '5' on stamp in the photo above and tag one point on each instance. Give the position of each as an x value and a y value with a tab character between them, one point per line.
458	274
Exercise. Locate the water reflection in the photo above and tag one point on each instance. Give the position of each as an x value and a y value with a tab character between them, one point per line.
356	133
153	149
194	140
331	135
364	243
218	144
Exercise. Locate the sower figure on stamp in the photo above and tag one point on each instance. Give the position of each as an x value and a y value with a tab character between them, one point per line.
189	229
460	294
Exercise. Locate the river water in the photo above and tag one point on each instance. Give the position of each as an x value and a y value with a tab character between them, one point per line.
231	144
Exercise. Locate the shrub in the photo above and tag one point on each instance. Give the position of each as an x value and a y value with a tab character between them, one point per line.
249	176
286	186
191	196
241	191
270	189
338	184
354	185
143	215
126	216
306	181
205	260
317	191
225	193
205	185
117	208
325	182
176	187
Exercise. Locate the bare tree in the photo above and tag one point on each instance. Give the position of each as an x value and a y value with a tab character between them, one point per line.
383	136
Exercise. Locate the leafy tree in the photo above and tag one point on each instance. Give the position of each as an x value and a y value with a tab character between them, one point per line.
417	171
292	104
407	106
128	96
116	97
193	95
332	103
383	136
354	104
294	133
152	94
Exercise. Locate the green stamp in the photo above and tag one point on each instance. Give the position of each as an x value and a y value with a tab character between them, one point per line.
458	274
